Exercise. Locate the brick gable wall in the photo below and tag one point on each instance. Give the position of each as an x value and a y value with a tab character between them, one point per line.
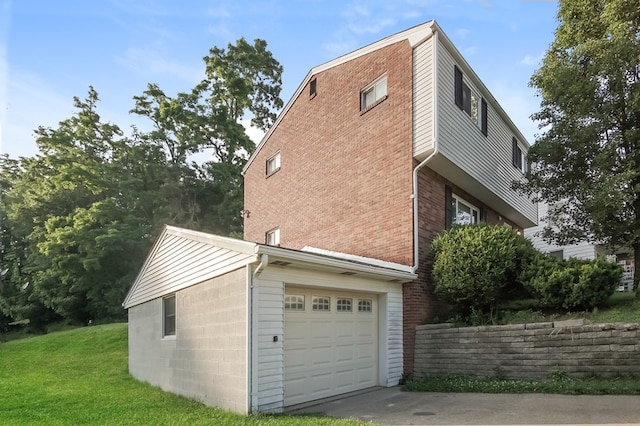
345	177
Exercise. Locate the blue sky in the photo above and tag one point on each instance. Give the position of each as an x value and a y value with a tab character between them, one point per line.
51	51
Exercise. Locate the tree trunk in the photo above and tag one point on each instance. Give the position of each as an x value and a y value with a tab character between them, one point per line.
636	268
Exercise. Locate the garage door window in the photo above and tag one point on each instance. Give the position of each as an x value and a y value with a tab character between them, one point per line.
364	305
321	303
344	305
293	302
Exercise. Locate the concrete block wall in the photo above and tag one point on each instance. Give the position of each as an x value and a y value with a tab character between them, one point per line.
207	358
528	350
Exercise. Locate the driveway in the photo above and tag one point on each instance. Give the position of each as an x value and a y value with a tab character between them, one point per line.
391	406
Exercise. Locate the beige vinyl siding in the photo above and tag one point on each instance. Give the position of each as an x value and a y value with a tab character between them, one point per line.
423	123
582	250
391	307
487	159
179	262
270	362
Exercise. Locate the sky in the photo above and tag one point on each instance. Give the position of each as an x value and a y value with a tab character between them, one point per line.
51	51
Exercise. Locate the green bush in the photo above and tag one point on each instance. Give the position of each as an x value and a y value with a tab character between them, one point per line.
571	284
476	267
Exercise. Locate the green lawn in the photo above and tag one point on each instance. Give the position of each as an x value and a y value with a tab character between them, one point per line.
80	377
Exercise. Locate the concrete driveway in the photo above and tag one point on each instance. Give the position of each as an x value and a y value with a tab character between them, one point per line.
391	406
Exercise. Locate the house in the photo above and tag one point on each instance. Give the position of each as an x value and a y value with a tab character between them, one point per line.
582	250
380	150
376	153
207	321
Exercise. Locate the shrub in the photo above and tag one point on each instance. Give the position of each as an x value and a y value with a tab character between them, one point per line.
477	266
571	284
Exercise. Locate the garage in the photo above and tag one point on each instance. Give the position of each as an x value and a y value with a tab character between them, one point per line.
256	328
331	343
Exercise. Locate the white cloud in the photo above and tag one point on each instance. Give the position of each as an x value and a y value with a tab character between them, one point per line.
152	60
529	60
254	133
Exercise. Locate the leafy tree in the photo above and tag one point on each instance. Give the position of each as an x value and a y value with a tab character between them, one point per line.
242	79
78	218
588	156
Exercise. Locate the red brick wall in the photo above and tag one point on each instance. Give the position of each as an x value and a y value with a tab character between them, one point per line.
420	303
346	178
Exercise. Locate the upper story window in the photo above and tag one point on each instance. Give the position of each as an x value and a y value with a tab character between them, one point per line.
272	237
313	88
373	94
519	154
169	316
273	164
470	101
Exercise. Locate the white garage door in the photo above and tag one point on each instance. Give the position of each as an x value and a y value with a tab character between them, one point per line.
331	343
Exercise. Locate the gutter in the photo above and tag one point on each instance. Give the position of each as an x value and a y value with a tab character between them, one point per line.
253	334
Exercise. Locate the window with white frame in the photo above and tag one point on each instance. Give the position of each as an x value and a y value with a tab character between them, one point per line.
519	154
365	305
169	315
464	213
272	237
373	94
321	303
344	305
294	302
469	100
273	164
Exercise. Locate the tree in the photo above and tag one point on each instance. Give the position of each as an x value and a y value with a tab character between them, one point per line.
477	267
79	219
242	80
587	159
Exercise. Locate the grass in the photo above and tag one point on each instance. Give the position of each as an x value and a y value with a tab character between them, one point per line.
621	307
573	386
80	376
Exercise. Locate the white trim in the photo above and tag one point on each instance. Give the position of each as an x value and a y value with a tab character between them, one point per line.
363	259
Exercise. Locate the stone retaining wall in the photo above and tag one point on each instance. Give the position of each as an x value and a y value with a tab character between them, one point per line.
528	350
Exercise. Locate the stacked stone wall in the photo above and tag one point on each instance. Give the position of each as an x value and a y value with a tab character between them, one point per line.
534	351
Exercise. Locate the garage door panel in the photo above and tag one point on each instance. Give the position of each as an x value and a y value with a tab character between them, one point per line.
329	352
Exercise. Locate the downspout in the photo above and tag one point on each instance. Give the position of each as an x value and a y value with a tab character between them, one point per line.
434	108
252	376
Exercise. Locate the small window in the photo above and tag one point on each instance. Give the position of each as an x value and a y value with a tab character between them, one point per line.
365	305
294	302
373	94
313	88
344	305
273	164
558	254
520	161
321	303
272	237
169	316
